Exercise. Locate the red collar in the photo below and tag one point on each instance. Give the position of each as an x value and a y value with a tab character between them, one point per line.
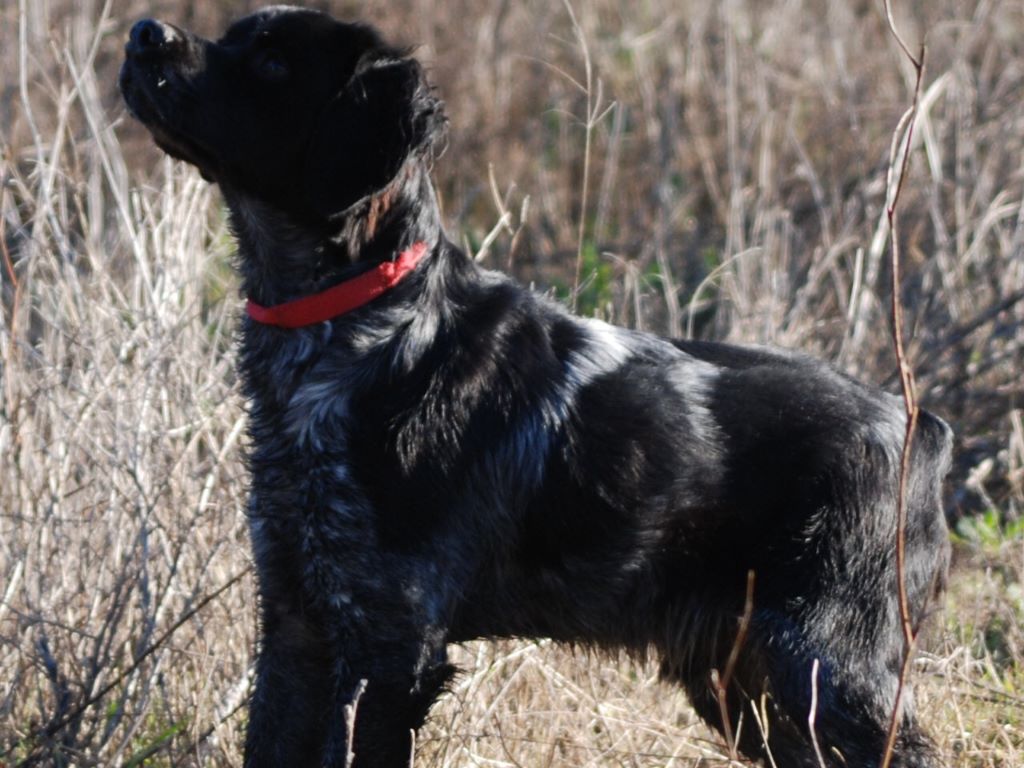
341	298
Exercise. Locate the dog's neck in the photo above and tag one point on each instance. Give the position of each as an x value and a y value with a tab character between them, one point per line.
281	258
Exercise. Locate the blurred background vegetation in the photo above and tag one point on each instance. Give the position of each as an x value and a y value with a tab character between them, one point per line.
721	170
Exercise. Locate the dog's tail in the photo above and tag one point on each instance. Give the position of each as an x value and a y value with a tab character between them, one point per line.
927	542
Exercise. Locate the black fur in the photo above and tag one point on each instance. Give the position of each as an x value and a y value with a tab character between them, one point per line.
461	458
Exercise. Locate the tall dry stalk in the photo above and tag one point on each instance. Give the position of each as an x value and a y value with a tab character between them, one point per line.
898	163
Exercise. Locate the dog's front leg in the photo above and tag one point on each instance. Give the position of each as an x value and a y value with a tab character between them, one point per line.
382	702
344	691
353	651
390	664
292	701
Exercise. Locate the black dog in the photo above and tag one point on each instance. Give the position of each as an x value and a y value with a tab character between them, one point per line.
439	454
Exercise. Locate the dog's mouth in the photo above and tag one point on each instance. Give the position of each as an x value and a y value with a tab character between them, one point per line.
154	95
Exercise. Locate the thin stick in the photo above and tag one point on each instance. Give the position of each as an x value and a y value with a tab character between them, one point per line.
813	714
906	385
350	723
582	225
918	62
721	682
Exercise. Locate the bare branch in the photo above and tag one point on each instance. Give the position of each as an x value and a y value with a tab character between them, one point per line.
721	682
907	385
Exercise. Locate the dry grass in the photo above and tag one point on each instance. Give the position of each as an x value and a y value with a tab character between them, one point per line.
735	190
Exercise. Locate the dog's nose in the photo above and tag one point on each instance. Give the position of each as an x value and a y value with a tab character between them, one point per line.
150	36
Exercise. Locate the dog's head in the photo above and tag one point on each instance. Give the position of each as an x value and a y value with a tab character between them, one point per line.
296	109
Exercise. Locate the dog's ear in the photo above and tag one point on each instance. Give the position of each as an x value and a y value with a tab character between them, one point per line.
384	114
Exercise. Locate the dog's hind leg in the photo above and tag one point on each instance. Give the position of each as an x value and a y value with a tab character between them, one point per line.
776	691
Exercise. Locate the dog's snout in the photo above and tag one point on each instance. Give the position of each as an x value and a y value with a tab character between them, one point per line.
150	36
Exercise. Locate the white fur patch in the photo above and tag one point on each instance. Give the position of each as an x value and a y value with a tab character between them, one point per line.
605	352
695	381
316	405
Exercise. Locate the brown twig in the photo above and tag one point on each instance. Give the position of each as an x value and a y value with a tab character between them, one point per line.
906	128
918	62
721	682
907	384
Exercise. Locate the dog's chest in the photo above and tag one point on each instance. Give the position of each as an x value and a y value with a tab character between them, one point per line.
304	504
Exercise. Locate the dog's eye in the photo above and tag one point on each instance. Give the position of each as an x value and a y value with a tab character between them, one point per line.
271	65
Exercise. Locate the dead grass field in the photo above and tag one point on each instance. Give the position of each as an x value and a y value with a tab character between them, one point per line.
728	166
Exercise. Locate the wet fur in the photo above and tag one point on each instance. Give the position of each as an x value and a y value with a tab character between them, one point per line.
463	458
